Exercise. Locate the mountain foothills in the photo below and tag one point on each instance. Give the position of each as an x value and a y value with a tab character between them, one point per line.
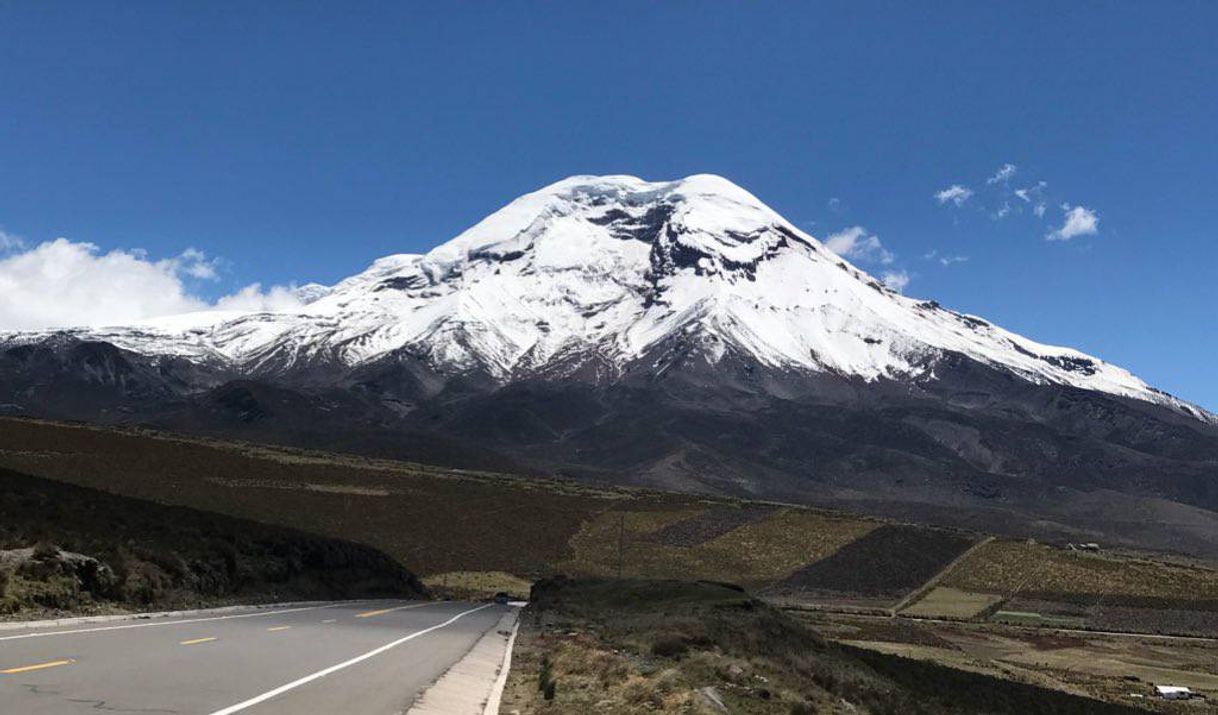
674	334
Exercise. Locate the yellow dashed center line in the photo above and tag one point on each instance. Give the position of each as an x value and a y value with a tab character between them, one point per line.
39	666
370	614
272	629
196	641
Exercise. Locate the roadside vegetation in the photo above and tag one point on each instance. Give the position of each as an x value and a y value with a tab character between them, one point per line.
70	550
477	585
634	646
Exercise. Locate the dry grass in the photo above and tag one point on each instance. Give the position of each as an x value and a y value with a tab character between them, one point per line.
947	602
755	554
659	646
1095	665
1009	568
434	520
477	585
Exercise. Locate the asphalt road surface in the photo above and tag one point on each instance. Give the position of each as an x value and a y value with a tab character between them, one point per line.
352	658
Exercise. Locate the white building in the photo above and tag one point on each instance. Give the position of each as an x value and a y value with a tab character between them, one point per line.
1173	692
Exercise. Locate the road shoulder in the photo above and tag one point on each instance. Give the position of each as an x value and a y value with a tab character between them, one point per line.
475	683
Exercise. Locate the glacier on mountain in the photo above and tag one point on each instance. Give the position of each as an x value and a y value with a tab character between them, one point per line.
608	268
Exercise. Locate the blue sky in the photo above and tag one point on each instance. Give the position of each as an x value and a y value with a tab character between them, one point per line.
295	142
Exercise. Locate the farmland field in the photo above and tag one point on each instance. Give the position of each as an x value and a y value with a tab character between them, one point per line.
1030	618
885	564
755	553
709	524
947	602
1034	570
1096	591
1111	668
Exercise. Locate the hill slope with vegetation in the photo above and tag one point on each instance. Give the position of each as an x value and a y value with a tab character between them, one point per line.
665	646
71	549
475	532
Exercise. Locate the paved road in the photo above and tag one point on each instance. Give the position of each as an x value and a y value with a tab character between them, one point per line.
344	658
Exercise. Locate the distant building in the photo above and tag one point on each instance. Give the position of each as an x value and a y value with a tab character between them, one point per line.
1089	546
1173	692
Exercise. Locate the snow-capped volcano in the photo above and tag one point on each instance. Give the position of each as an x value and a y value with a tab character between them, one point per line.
605	269
673	334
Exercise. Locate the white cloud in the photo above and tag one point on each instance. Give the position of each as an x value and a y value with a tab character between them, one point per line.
955	193
857	244
946	260
195	264
835	204
9	242
63	283
1031	193
896	280
1002	212
1003	174
276	299
1080	221
1034	195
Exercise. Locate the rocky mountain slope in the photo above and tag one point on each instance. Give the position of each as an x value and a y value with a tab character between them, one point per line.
680	334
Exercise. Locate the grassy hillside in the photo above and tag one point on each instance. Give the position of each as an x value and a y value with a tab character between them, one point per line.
664	646
442	521
65	548
471	532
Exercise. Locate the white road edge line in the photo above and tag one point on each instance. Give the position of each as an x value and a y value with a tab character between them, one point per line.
173	622
345	664
492	703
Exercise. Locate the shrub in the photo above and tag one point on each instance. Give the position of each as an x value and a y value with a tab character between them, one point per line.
670	647
44	550
545	679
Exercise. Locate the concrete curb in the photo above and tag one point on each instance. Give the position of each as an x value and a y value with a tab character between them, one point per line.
492	703
474	685
84	620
